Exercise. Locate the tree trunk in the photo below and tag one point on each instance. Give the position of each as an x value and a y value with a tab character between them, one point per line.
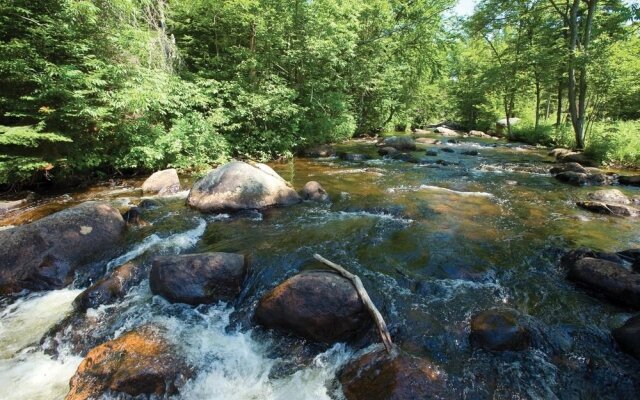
538	100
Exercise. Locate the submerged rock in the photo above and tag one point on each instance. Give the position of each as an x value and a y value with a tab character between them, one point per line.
427	141
162	182
606	278
431	153
499	330
380	376
198	278
402	143
317	305
628	336
149	204
447	150
470	152
323	150
237	186
314	191
111	288
357	157
388	151
140	362
44	254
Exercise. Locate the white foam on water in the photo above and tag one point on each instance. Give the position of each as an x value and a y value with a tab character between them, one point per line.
176	242
36	376
26	373
233	365
28	319
456	192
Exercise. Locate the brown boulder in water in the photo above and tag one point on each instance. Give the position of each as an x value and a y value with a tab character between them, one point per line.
44	254
140	362
198	278
499	330
162	182
608	279
314	191
239	186
109	289
380	376
317	305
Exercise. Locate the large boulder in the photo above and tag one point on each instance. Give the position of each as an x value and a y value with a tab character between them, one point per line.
628	336
577	157
162	182
317	305
44	254
609	196
238	186
608	279
402	143
583	179
198	278
568	167
109	289
425	140
140	362
444	131
314	191
380	376
499	330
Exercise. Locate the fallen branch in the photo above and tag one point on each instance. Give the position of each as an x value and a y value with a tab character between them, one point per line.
364	296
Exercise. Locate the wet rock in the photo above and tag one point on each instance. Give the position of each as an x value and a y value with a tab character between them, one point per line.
133	217
162	182
578	158
447	150
108	290
427	141
470	152
444	131
11	205
582	179
568	167
617	209
388	151
323	150
198	278
406	158
511	183
353	157
140	362
315	192
454	141
608	279
380	376
629	180
149	204
499	330
403	143
570	258
628	336
431	153
317	305
420	132
44	254
609	196
237	186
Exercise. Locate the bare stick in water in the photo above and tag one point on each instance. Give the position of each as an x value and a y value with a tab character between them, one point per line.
364	296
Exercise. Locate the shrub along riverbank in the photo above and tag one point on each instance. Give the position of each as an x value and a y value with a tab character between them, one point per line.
94	89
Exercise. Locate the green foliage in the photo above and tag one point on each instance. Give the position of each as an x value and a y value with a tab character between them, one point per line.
615	143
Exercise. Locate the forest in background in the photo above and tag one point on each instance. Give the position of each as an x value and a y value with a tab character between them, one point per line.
93	88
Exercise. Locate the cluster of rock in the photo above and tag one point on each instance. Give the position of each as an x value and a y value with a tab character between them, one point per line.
575	174
611	202
615	277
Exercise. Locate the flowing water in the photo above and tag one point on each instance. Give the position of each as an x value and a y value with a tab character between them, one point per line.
434	244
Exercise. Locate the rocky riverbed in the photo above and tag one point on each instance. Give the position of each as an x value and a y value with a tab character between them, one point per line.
496	278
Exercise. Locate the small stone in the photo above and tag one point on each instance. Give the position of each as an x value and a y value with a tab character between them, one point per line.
315	192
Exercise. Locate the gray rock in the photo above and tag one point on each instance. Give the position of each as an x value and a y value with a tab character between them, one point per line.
44	254
608	279
402	143
238	186
162	182
444	131
198	278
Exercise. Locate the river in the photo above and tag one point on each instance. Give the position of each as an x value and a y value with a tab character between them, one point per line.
434	244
